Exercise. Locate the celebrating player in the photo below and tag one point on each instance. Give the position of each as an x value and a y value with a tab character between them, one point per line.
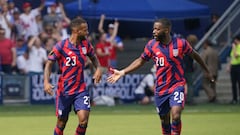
167	52
71	55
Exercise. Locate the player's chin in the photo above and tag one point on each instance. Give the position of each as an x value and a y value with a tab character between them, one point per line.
155	37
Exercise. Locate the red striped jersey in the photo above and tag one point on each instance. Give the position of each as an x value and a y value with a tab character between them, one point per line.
169	63
71	60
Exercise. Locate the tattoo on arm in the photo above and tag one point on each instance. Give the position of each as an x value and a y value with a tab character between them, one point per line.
95	61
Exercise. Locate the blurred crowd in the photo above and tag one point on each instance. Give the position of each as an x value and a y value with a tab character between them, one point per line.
27	36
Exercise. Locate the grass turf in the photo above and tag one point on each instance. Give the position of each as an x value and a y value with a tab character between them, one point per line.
204	119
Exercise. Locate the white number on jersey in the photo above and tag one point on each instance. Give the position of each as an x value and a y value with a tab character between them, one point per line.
159	61
71	61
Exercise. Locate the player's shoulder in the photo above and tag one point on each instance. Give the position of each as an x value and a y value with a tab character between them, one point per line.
60	44
181	41
151	42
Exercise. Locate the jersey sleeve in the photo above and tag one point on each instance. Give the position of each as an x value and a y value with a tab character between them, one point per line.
187	48
147	53
55	53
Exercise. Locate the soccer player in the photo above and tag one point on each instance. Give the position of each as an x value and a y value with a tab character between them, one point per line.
167	52
71	55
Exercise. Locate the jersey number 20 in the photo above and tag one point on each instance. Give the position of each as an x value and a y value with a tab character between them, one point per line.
159	61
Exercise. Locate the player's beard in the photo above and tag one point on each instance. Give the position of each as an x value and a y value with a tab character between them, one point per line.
161	37
80	38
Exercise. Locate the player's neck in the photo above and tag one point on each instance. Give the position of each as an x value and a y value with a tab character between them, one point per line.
73	40
167	40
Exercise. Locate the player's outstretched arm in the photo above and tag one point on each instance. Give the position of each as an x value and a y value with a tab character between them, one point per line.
118	74
200	61
48	88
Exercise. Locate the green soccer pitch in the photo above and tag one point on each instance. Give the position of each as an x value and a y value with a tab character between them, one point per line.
204	119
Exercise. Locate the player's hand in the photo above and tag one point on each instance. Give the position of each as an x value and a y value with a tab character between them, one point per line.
116	75
48	88
97	76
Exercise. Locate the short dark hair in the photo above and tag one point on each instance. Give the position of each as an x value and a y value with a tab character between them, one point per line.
165	22
77	22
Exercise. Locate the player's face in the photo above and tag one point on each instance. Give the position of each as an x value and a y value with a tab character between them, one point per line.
159	32
83	31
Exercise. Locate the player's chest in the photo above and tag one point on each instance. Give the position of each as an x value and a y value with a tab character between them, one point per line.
167	55
74	56
168	51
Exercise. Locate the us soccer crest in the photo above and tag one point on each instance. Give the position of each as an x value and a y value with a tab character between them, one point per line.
175	52
84	50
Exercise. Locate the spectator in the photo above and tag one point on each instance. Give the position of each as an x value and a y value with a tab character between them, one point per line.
210	57
17	30
103	52
11	7
104	46
214	18
145	91
21	46
37	55
28	19
51	18
39	23
118	46
23	63
58	22
58	8
7	53
50	32
6	20
63	24
189	69
234	68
